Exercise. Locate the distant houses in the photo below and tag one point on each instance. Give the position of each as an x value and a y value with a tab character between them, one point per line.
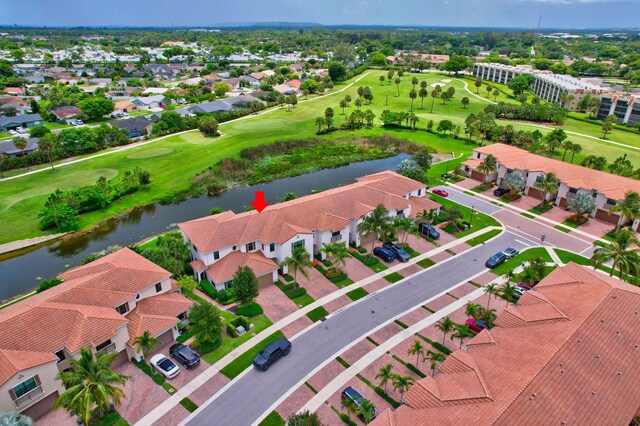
149	102
24	121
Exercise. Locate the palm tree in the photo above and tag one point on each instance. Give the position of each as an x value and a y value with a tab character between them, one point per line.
91	386
298	261
416	349
492	289
397	81
622	253
381	80
445	325
401	223
320	121
426	216
384	375
423	94
434	94
566	145
376	223
628	207
343	105
45	146
471	309
350	406
548	185
434	359
146	343
413	95
366	410
338	251
15	419
358	104
402	383
462	332
414	81
465	102
508	291
576	148
20	143
488	166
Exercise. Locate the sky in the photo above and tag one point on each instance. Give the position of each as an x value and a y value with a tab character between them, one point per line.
196	13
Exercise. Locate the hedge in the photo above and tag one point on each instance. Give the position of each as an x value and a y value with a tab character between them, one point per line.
292	294
288	277
339	278
387	397
415	369
441	347
159	379
347	420
207	288
189	404
250	310
142	365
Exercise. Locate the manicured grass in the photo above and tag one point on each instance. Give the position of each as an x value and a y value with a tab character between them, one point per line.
522	257
562	228
112	418
480	220
357	293
344	283
169	388
568	256
425	263
189	404
228	344
317	314
237	366
527	215
149	244
571	223
273	419
303	301
393	277
484	237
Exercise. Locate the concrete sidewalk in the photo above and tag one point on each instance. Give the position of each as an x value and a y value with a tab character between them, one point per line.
157	413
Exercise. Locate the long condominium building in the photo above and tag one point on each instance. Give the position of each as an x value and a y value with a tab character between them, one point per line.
547	86
625	106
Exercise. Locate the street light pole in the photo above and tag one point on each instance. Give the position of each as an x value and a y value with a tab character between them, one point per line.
471	220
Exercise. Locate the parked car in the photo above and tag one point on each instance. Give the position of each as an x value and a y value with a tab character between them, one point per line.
355	396
524	286
511	252
21	130
384	254
165	366
501	191
440	192
477	326
185	355
79	122
495	260
519	292
13	132
400	253
428	231
271	353
73	122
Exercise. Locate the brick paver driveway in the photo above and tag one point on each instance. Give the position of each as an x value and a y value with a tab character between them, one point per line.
275	303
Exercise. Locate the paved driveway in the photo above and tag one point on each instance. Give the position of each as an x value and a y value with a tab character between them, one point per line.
275	303
326	339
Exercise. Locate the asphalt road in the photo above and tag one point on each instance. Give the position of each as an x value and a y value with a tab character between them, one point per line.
252	395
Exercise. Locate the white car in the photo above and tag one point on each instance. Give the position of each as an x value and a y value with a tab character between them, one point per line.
20	130
165	366
13	132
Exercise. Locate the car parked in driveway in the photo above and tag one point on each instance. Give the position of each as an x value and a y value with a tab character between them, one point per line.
440	192
165	366
495	260
355	396
477	326
511	252
428	231
400	253
271	353
384	254
184	355
501	191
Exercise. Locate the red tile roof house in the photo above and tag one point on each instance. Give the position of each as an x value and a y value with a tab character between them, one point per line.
223	242
566	354
606	188
65	112
103	305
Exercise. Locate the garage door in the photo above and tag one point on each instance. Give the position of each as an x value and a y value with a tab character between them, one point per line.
535	193
563	202
265	279
120	359
477	176
41	408
607	217
165	338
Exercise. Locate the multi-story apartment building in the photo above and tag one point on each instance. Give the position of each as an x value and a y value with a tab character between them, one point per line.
500	73
606	189
625	106
103	305
221	243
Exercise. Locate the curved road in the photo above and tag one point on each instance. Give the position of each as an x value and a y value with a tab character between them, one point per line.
327	339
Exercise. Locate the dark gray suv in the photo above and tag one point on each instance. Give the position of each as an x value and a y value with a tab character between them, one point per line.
271	353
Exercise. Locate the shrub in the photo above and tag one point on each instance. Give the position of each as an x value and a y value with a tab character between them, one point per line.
224	297
47	284
326	263
347	420
288	278
142	365
240	321
386	397
362	250
231	331
334	272
159	379
185	335
441	347
208	289
339	278
292	294
250	310
415	369
189	404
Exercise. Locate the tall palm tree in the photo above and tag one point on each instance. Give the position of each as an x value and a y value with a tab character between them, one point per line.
471	309
377	223
91	385
298	261
423	94
492	290
426	216
548	185
20	143
462	332
434	358
401	223
413	95
622	253
628	207
508	291
338	251
397	81
366	410
576	148
384	375
402	383
45	146
445	325
416	349
350	406
566	145
487	166
146	343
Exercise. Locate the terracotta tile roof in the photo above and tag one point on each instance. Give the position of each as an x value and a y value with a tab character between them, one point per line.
224	269
575	176
156	314
12	362
198	265
419	204
329	210
572	360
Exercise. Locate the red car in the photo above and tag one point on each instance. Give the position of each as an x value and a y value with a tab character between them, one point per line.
440	192
476	326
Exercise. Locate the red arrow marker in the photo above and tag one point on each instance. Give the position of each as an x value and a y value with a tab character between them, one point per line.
259	204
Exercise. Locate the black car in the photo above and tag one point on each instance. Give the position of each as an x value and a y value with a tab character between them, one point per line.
501	191
495	260
400	253
271	353
428	231
384	254
355	396
184	355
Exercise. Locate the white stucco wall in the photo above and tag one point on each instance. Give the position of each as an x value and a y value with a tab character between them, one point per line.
47	374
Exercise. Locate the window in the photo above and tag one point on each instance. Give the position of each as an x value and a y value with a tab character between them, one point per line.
272	247
251	246
419	192
573	191
400	213
539	179
216	255
123	309
60	355
182	316
195	248
25	387
297	244
158	287
103	345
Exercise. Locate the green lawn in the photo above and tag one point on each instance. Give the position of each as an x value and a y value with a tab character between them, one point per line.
303	300
357	293
317	314
479	221
273	419
261	322
237	366
425	263
393	277
569	256
522	257
484	237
